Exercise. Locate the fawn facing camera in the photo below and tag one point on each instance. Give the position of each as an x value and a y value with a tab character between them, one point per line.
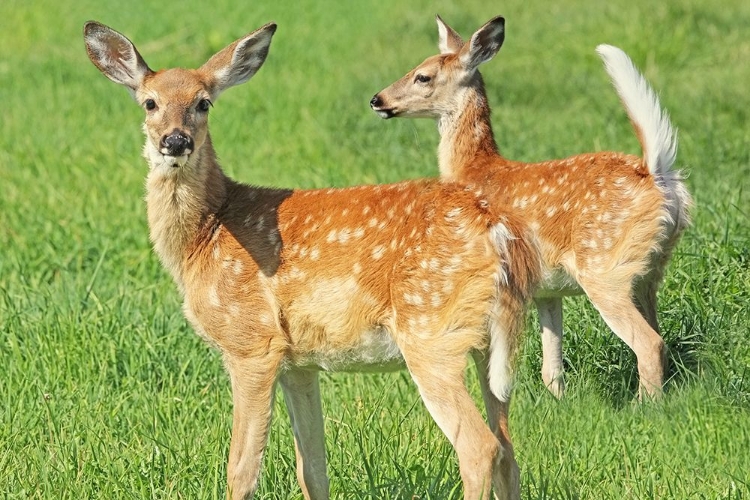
286	283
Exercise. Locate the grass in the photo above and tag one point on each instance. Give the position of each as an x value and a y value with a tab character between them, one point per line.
108	394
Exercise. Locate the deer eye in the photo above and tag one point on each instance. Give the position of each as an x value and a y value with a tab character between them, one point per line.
149	104
203	105
420	78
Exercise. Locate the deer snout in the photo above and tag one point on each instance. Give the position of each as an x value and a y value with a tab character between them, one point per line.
378	105
376	101
176	143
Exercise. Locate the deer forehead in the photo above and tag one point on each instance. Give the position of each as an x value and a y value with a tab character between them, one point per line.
436	64
177	86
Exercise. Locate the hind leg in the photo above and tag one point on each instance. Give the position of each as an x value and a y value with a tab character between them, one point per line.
551	325
645	295
441	384
619	311
507	475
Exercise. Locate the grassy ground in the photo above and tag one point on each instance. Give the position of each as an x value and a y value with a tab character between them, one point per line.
106	393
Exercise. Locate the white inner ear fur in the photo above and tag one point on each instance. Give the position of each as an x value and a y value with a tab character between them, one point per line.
443	42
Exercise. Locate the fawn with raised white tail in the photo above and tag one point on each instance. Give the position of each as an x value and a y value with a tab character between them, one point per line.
286	283
606	223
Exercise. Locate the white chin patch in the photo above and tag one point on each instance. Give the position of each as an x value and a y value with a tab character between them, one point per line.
175	161
384	114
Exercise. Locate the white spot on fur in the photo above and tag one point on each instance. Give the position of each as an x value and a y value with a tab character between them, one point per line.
344	235
436	300
297	273
414	299
452	213
213	296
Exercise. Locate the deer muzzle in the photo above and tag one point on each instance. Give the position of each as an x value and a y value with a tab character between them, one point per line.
176	143
378	105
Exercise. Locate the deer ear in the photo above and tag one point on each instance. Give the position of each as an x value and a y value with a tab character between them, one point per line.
484	44
449	42
238	62
114	55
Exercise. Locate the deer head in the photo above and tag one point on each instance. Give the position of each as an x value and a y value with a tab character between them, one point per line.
176	101
432	89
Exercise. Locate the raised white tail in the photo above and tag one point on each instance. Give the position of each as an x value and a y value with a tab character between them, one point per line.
651	122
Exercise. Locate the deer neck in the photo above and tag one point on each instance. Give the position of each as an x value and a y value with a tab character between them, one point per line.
182	203
466	133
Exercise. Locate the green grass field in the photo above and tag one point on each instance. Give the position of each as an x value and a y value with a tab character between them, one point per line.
107	393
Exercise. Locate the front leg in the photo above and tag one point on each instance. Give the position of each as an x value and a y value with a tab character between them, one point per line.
253	384
302	396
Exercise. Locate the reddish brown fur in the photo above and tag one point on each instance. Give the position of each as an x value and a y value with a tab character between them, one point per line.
285	283
602	221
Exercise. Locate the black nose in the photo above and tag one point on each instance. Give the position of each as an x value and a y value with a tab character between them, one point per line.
376	101
176	143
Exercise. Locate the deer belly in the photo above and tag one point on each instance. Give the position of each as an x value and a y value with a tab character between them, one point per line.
558	283
375	351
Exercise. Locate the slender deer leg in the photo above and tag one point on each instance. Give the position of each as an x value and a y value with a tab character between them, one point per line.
252	395
623	317
444	394
551	325
645	293
302	397
506	476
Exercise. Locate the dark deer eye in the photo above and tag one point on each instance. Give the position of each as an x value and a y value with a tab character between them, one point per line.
150	104
203	105
422	78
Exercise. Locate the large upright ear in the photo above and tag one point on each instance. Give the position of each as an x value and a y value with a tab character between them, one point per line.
238	62
450	42
484	44
114	55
